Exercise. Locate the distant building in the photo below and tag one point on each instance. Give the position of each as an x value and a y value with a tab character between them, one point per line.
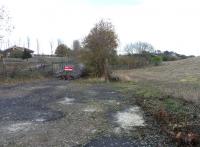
7	52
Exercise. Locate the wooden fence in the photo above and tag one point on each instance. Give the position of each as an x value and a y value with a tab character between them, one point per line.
9	68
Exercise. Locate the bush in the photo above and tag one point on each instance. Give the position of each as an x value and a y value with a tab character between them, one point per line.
26	55
165	58
169	58
157	60
134	61
62	50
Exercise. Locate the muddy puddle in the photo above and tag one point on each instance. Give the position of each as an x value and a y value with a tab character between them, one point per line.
67	101
17	127
92	109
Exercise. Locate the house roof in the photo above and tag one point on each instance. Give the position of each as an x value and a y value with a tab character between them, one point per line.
18	48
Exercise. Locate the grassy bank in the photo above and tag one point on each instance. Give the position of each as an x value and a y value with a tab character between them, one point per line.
174	115
23	77
177	78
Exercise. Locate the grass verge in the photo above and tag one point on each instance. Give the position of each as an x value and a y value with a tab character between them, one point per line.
24	77
168	111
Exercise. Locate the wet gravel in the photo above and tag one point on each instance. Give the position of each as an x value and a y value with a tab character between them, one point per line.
70	125
30	107
115	141
112	141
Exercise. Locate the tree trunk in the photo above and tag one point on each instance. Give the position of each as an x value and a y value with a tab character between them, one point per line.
106	71
4	68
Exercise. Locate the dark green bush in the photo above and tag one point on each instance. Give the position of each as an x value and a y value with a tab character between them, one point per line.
26	55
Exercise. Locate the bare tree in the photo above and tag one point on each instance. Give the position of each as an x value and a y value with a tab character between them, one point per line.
24	44
76	45
139	48
19	42
8	43
1	44
5	23
5	28
59	41
38	46
130	49
28	42
51	46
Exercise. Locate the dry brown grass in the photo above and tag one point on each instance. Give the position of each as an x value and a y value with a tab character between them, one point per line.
177	78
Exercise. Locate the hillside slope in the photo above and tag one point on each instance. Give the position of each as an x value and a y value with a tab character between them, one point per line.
178	78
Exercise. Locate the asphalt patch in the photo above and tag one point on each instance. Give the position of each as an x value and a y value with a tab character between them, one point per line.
111	141
22	112
33	107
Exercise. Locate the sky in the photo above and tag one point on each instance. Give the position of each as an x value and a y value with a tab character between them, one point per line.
172	25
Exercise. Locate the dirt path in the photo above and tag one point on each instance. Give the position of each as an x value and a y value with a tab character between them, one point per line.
61	113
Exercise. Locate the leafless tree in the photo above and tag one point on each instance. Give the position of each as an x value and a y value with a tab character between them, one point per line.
24	44
19	42
1	44
130	49
5	29
138	48
59	41
5	23
8	43
38	46
51	46
76	45
28	42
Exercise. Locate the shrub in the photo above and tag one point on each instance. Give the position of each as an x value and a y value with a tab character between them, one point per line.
157	60
26	55
62	50
169	58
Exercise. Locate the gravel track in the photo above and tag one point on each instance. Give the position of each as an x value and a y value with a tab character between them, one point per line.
63	113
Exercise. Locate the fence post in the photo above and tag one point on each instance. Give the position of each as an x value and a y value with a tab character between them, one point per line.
52	68
4	68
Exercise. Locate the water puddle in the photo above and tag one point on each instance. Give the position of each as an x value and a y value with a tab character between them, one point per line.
61	87
92	92
46	116
40	120
35	87
129	118
111	141
67	101
18	127
112	102
92	109
111	92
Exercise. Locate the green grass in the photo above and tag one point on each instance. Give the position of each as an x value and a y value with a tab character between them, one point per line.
91	80
178	78
22	77
176	106
124	87
152	99
190	79
138	89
